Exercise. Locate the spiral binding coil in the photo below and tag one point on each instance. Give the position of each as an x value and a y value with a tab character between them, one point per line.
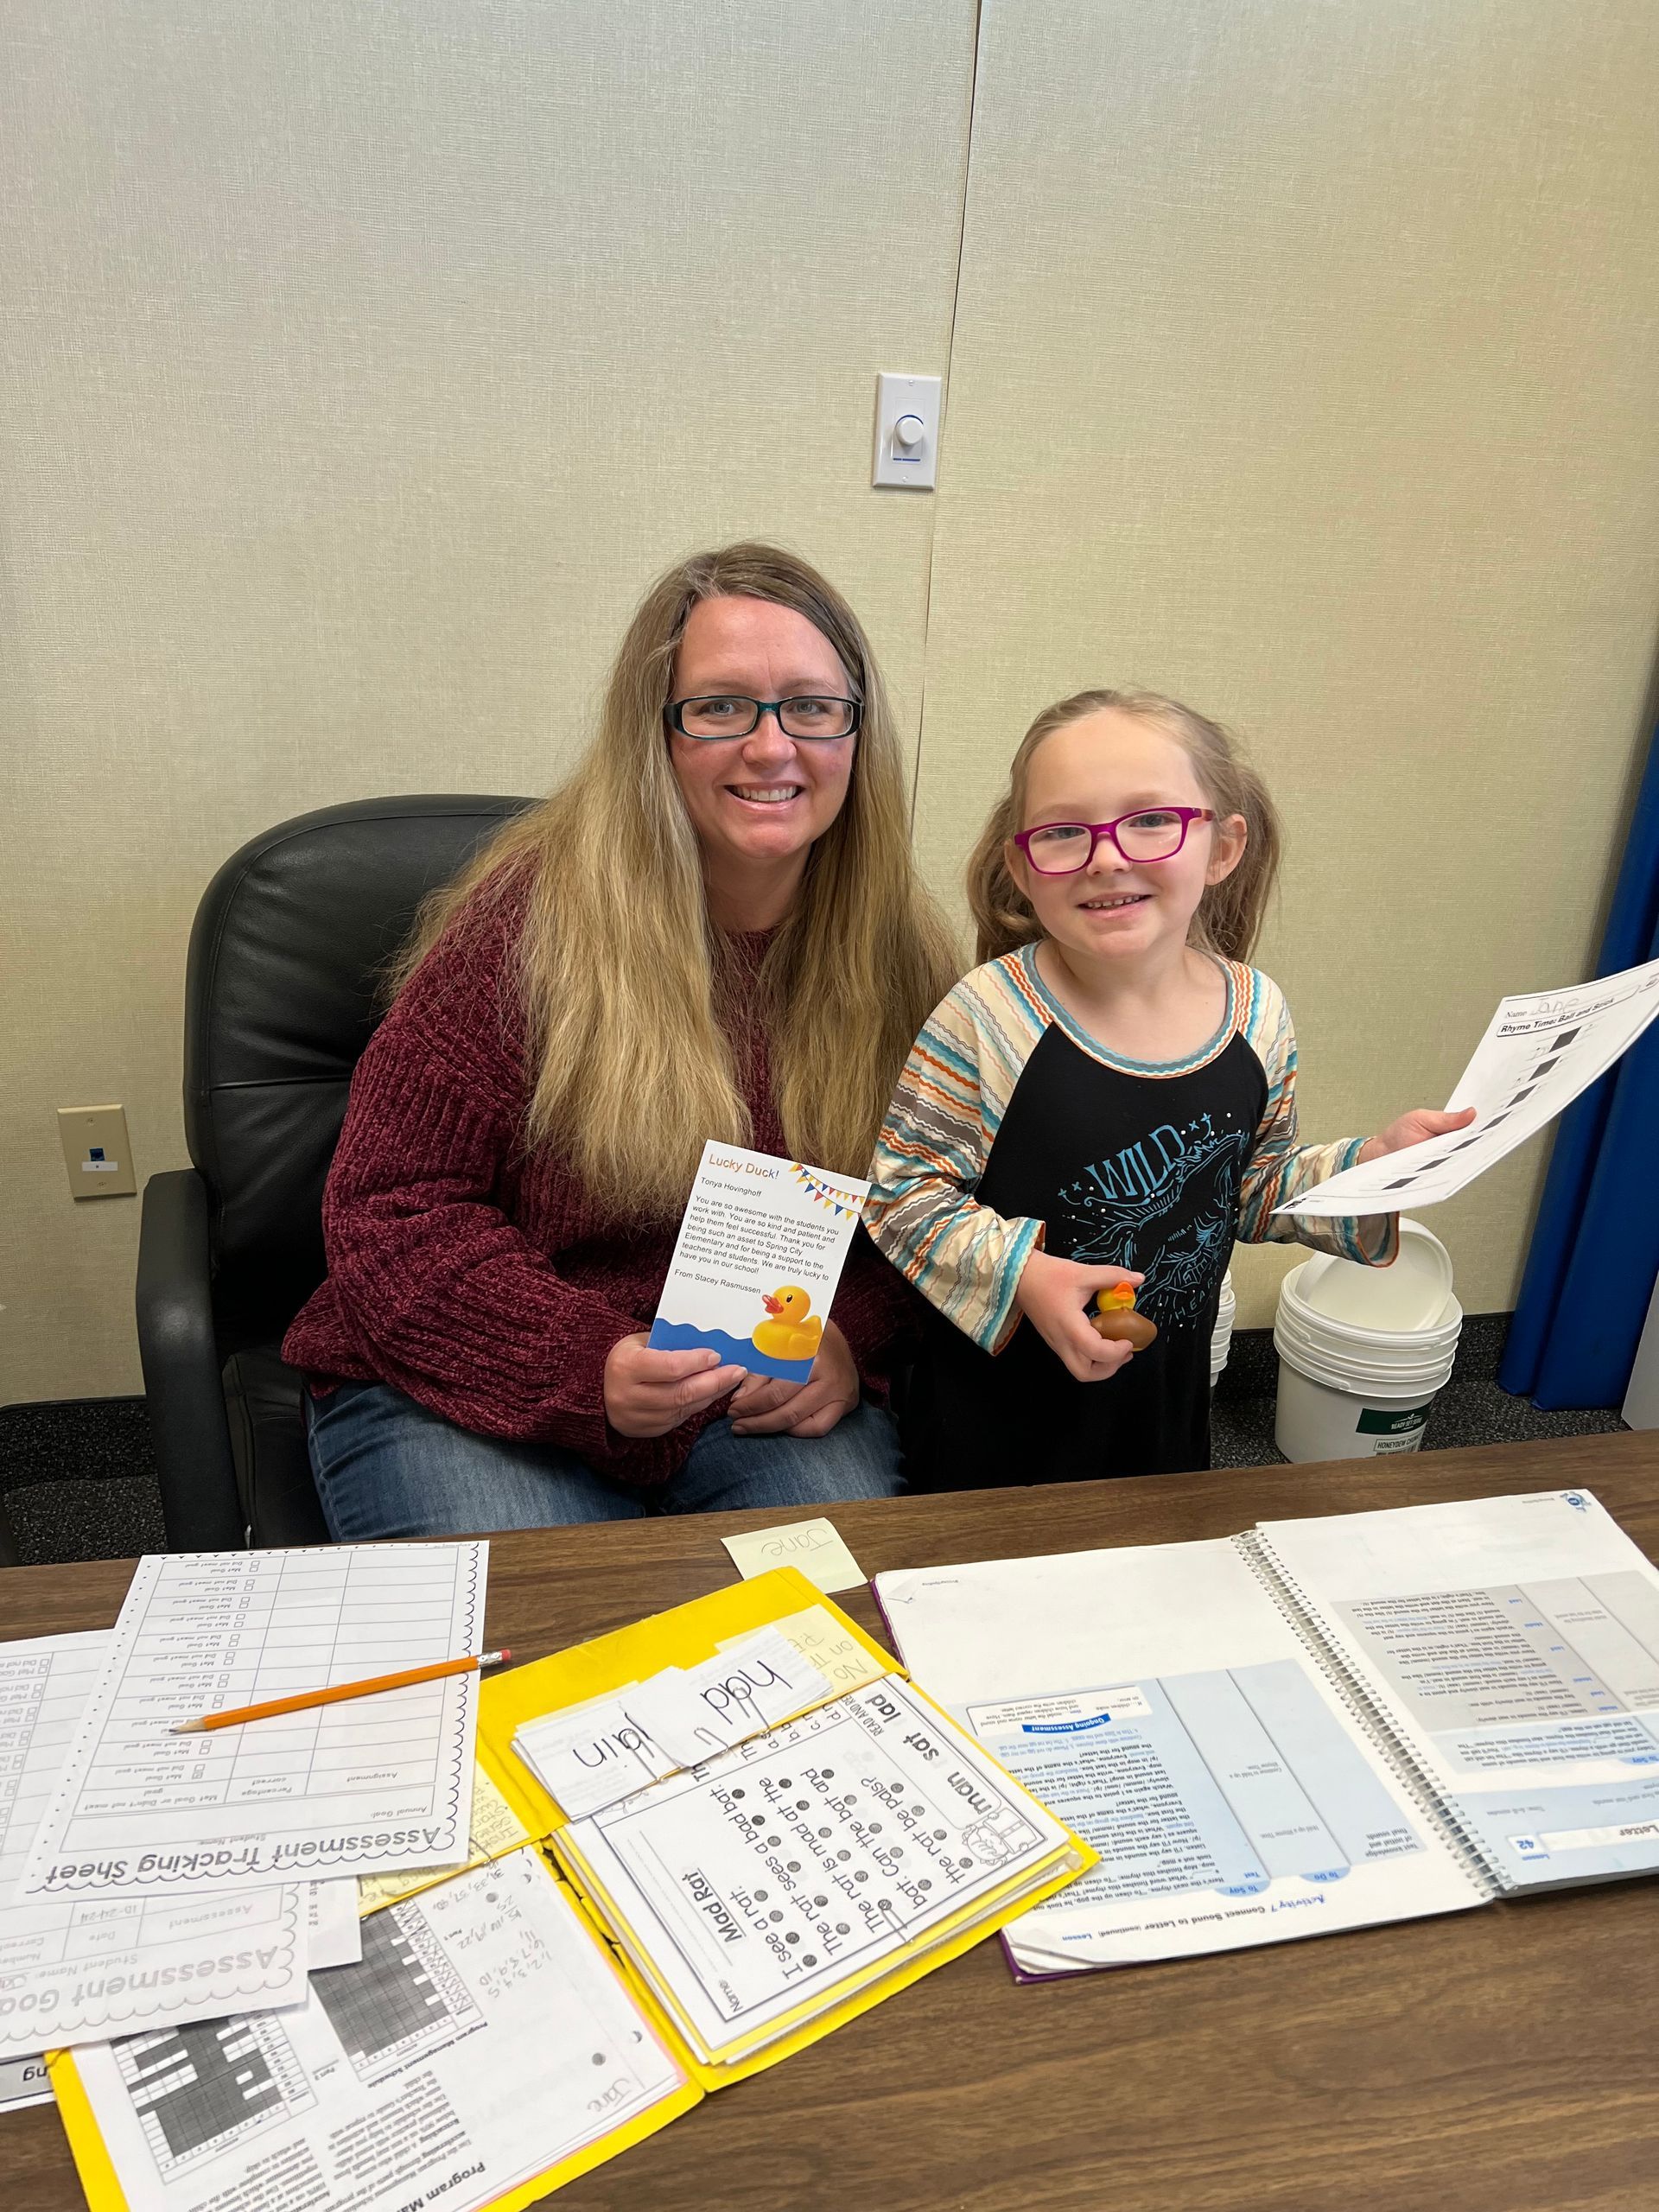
1465	1845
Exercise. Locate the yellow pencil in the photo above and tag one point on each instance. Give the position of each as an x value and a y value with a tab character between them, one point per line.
305	1699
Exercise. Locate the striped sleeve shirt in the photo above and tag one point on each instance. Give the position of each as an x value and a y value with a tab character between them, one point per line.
1192	1180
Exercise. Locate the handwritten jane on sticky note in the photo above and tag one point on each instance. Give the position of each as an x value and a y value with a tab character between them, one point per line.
814	1547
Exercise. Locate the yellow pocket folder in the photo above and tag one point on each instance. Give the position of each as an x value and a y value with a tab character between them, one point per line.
683	1638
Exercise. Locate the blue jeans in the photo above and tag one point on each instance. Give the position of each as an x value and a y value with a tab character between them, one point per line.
385	1466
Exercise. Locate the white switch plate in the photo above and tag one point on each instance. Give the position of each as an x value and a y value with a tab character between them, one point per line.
913	468
96	1152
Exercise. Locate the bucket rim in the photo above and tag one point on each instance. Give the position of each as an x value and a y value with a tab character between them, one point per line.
1447	1327
1387	1357
1301	1350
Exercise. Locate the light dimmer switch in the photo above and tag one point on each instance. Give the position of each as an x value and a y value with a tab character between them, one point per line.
906	432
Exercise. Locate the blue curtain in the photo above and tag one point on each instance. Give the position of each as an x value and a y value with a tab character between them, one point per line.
1595	1249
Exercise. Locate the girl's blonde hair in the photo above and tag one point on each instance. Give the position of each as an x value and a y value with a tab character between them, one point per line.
618	975
1230	913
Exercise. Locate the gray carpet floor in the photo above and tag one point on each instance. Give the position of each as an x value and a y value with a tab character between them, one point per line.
78	1481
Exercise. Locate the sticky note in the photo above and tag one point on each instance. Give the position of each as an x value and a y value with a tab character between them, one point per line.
815	1547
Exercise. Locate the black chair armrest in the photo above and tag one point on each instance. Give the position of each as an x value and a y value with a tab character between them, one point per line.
183	1392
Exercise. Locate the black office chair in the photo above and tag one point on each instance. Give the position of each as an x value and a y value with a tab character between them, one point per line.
283	991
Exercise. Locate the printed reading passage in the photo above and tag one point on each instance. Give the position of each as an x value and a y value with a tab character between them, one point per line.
758	1255
1514	1645
1156	1699
1540	1051
359	1788
76	1970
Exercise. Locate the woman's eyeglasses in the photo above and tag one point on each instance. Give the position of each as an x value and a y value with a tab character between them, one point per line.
1155	833
807	717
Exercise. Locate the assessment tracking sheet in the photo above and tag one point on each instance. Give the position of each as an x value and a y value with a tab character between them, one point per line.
1157	1700
799	1865
484	2037
73	1970
1513	1642
361	1787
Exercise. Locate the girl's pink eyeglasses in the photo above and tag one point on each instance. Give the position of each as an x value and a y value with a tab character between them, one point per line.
1153	833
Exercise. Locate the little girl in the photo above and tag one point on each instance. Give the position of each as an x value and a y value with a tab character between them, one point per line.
1111	1099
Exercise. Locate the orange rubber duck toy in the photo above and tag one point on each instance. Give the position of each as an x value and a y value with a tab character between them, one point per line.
1114	1318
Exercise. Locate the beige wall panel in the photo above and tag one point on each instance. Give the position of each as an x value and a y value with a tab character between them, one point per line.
1304	368
361	364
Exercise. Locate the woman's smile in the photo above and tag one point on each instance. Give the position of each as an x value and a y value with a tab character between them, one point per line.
765	794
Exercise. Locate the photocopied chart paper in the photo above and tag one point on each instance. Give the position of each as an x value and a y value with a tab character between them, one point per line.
1155	1697
362	1787
483	2039
1513	1644
1540	1051
759	1252
71	1970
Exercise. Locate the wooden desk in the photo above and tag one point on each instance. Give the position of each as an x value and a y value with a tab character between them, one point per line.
1487	2061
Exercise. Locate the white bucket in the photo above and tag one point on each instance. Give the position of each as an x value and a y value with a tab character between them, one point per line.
1221	1341
1362	1351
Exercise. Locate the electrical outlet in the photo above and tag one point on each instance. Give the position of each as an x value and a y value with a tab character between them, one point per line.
96	1151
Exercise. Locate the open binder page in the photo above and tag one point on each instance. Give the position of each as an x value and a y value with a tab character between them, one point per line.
484	2040
75	1970
1513	1642
362	1787
755	1891
1155	1699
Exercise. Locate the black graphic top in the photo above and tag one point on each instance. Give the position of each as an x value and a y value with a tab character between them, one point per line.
1011	1126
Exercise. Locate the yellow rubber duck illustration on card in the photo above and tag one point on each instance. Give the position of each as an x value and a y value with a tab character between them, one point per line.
790	1334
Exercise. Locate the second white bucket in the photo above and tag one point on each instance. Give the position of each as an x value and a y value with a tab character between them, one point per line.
1352	1387
1221	1341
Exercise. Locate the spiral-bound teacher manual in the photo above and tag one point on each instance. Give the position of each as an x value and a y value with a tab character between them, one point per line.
1318	1725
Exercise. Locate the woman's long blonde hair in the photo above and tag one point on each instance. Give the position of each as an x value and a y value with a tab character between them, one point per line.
1230	914
619	975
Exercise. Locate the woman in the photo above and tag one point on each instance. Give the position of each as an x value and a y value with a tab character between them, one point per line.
712	930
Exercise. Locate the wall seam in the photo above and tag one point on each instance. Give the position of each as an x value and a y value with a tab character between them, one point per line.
949	355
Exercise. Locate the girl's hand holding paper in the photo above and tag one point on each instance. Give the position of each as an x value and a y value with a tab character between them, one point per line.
1416	1128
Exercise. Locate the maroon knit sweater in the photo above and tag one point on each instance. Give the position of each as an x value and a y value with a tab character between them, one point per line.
488	1286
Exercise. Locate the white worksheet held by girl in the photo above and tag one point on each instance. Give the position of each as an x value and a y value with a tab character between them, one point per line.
73	1970
361	1787
1540	1051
